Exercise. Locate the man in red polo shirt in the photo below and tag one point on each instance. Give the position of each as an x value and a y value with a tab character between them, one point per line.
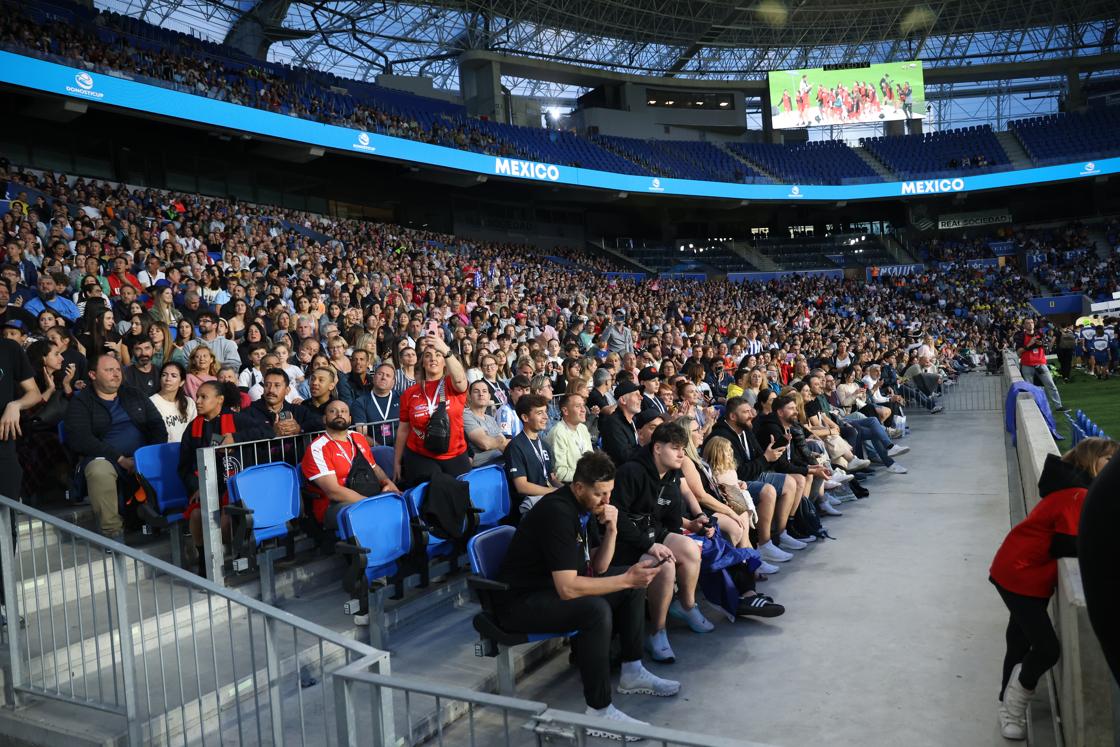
328	462
1031	348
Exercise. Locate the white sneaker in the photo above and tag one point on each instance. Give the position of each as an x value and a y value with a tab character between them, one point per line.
768	568
693	617
897	450
826	508
831	485
897	469
646	682
841	477
774	554
613	714
790	543
858	464
1013	709
658	648
808	538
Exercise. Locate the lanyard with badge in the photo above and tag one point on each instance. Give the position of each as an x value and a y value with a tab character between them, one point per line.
538	449
386	428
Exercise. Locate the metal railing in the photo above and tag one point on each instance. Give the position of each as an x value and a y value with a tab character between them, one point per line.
94	623
433	712
215	463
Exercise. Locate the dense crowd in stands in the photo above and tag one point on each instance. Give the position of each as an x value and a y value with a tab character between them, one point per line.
149	316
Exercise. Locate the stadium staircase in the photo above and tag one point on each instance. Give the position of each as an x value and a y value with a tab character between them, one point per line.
1014	150
878	166
205	669
600	246
754	256
753	164
1098	235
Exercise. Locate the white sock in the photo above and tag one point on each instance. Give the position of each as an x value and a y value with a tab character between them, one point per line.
634	668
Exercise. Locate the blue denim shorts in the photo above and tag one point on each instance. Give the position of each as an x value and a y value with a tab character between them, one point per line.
777	479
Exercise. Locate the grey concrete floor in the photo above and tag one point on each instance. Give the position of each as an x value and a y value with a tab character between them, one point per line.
893	634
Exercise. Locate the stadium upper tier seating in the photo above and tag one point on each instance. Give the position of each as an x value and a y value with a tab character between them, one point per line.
952	152
819	162
102	40
1056	138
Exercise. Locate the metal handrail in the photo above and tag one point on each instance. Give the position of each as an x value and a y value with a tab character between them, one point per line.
536	713
114	649
210	488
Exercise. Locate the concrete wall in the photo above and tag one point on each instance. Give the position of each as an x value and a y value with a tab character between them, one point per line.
1086	698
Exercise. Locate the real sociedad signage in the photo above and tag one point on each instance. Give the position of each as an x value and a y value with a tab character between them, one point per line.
159	100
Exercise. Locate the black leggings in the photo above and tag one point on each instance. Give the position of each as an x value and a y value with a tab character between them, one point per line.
417	468
1031	640
594	617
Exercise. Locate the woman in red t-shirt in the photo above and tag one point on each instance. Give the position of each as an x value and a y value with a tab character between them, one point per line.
440	378
1025	573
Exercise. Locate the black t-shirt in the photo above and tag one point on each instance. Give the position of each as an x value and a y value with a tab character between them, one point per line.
595	398
528	459
14	369
549	538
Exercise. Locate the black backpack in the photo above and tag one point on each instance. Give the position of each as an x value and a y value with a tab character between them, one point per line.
807	521
447	510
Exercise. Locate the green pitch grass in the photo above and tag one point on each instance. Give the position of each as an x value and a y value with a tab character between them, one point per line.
1099	399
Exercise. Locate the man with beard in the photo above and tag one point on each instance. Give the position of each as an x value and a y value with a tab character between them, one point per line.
331	459
142	375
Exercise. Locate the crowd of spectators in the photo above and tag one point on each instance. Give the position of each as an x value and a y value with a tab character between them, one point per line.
149	316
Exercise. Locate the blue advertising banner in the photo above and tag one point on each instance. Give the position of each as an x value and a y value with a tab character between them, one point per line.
985	262
766	277
103	89
1002	248
1073	303
1034	259
697	276
897	270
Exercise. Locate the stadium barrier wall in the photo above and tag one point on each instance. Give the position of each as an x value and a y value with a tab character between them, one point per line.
114	88
1088	705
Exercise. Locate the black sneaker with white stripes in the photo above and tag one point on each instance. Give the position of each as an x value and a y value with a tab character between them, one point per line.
759	605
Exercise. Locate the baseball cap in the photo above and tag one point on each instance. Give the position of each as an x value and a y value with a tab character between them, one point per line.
625	388
15	324
647	416
648	374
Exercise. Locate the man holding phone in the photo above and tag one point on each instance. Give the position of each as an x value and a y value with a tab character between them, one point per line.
1031	348
273	416
563	574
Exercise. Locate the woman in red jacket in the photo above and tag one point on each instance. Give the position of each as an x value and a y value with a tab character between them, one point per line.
1025	573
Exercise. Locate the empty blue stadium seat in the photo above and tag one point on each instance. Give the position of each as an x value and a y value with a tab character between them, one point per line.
157	470
489	494
384	456
486	551
263	500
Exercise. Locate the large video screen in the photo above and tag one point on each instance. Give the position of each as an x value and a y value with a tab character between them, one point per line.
816	97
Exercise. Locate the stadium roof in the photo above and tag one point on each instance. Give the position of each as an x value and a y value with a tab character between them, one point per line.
724	39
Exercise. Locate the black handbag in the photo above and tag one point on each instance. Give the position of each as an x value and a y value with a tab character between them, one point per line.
362	479
48	416
437	437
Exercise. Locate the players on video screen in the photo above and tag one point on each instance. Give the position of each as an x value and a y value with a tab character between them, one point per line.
862	101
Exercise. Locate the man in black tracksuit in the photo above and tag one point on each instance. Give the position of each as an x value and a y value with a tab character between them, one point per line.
647	495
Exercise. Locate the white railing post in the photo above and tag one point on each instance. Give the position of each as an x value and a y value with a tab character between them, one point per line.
210	504
128	653
11	607
381	702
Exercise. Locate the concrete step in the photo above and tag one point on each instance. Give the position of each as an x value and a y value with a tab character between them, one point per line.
1009	141
877	166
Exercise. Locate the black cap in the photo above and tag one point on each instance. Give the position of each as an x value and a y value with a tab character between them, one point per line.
519	382
625	388
648	374
647	416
